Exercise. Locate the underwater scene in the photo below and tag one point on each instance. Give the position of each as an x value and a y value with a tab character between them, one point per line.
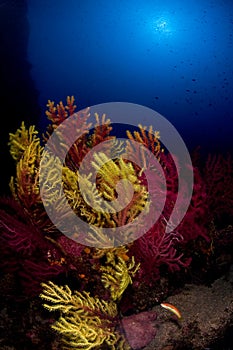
116	192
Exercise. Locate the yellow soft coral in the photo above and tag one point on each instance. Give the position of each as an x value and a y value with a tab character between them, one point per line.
149	139
21	140
102	194
58	113
117	180
110	172
102	130
85	322
121	175
118	272
25	148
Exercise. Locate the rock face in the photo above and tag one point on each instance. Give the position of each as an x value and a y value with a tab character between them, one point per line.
18	95
139	329
207	314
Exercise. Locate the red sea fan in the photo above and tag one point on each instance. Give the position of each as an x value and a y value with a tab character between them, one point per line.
17	232
24	249
156	249
34	272
218	176
196	220
72	248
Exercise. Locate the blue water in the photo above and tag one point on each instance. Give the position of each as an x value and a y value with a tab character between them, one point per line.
175	57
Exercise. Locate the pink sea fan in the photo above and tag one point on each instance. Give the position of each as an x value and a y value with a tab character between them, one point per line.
24	249
218	177
155	249
196	220
33	273
17	232
72	248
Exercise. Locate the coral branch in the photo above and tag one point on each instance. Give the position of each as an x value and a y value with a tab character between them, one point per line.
85	322
155	249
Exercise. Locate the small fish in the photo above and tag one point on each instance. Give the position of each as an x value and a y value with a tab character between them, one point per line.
171	308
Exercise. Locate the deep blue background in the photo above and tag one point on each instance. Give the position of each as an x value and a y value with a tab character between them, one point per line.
175	57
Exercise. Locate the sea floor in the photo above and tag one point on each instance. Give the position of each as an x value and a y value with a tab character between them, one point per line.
206	323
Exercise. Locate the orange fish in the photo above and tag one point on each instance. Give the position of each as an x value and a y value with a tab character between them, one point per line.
171	308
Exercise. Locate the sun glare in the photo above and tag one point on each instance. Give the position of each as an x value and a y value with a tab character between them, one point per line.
162	25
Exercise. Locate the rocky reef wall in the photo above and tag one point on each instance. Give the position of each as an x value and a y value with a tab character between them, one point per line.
18	96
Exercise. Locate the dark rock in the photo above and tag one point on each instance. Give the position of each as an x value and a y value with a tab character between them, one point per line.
207	314
139	329
18	96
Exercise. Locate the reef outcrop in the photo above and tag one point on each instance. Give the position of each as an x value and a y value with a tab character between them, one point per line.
18	95
207	317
